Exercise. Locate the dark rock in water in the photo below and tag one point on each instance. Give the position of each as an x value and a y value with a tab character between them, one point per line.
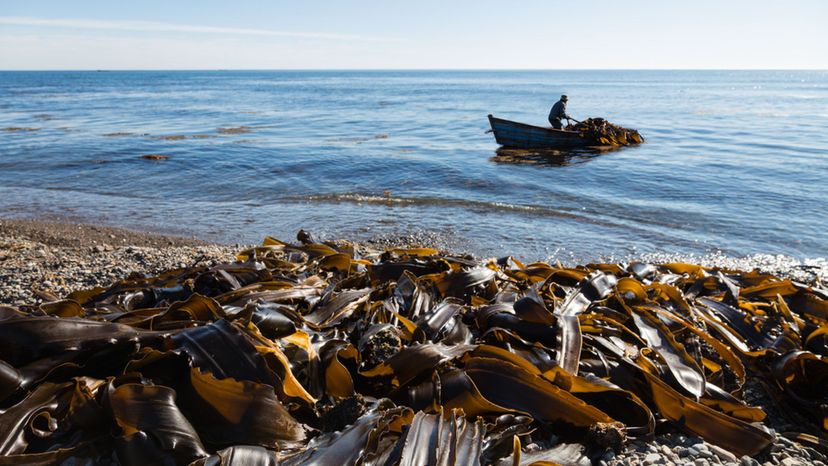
18	129
154	157
234	130
306	237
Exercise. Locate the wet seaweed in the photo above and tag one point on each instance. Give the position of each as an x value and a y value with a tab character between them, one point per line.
332	353
605	133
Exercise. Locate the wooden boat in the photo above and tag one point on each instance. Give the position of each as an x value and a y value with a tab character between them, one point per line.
522	136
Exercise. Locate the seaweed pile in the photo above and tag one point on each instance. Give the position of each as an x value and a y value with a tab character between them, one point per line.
328	353
606	133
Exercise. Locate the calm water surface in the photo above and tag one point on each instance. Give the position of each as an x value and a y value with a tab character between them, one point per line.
734	161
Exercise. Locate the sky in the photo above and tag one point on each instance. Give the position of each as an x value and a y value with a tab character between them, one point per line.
419	34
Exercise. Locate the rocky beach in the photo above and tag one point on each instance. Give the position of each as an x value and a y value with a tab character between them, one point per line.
45	261
413	233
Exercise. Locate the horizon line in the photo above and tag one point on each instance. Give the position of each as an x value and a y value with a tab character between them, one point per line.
396	69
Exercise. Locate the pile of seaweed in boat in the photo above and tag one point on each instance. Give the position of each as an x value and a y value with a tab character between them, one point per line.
327	353
606	133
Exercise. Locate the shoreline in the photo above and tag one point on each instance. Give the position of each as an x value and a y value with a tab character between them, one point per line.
60	255
44	260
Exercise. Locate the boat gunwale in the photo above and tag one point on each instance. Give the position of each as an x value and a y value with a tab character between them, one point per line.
551	130
514	134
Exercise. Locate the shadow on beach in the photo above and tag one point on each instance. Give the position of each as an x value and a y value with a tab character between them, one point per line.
549	157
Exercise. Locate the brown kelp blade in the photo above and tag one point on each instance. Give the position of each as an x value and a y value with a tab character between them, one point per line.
443	438
240	455
682	367
514	388
148	416
229	411
715	427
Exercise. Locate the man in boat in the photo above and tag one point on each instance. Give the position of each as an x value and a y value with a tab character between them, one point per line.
558	113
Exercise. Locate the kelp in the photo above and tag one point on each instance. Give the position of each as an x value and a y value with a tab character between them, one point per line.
605	133
333	353
442	438
152	424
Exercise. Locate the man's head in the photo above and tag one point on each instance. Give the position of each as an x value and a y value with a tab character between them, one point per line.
564	98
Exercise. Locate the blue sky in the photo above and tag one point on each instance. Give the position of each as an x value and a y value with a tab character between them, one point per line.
456	34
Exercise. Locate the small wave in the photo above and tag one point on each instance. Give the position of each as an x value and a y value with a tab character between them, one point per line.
433	201
652	228
466	204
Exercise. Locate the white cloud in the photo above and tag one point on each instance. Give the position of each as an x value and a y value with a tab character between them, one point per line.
151	26
31	51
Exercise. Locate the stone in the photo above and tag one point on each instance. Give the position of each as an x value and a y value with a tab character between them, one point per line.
652	458
785	441
723	454
748	461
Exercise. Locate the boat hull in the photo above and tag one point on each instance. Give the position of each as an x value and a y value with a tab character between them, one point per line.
522	136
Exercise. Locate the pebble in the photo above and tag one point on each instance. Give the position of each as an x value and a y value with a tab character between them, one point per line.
652	458
748	461
723	454
785	441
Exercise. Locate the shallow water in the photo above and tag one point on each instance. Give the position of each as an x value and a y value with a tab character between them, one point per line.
734	161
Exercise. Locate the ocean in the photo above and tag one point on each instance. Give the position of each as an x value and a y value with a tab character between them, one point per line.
735	161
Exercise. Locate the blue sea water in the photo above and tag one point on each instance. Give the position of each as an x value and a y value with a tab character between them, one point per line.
735	161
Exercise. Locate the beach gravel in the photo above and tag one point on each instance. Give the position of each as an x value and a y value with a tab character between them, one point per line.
42	259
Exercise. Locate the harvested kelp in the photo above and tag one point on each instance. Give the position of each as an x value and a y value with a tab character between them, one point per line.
606	133
329	353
